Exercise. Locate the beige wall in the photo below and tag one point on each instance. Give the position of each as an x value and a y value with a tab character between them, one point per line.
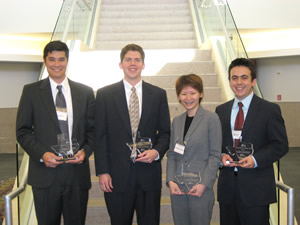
7	130
291	115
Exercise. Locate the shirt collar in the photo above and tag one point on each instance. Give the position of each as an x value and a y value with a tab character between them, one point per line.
246	101
64	84
129	86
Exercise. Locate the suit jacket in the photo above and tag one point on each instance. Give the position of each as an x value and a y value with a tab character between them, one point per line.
113	131
37	128
202	146
264	128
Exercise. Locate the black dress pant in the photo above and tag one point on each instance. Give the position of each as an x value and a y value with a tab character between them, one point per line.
62	198
121	205
237	213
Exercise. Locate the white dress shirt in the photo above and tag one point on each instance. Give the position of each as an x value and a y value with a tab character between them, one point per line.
67	94
235	108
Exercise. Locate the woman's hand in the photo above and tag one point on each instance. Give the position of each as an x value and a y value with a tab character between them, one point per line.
174	189
197	190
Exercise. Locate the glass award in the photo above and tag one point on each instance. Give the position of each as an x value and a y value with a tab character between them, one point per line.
188	176
65	148
241	151
140	145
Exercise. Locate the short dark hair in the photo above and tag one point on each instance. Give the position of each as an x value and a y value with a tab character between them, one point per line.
132	47
191	80
243	62
56	46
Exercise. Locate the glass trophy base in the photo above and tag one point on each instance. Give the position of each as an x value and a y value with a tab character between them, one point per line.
142	144
66	159
188	177
65	148
241	151
235	162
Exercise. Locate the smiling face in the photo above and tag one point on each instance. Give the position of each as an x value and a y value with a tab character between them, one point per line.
132	66
189	98
56	63
241	82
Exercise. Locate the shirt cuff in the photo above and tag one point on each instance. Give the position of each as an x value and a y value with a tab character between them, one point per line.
157	157
255	163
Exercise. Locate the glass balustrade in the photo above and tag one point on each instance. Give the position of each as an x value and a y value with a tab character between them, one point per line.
217	23
75	21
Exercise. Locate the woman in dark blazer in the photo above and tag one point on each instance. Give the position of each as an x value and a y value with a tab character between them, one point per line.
194	156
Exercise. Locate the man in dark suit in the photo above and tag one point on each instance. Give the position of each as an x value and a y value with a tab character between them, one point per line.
59	187
246	188
128	184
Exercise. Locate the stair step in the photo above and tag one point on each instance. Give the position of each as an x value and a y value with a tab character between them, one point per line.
168	81
144	7
145	36
152	44
183	68
146	21
142	28
130	2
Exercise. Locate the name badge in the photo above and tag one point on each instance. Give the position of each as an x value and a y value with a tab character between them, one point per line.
62	115
236	134
179	148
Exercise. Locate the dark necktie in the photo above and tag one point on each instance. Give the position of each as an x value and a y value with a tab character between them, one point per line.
62	107
239	121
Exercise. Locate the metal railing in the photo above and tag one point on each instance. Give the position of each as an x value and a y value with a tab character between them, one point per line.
15	193
290	201
216	23
8	202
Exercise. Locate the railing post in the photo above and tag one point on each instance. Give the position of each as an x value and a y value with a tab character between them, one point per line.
291	206
8	210
290	201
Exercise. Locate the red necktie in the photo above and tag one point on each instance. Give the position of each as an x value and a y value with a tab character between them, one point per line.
239	121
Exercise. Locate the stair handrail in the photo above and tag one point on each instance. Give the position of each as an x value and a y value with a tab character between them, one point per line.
88	4
62	27
198	5
69	20
290	201
15	193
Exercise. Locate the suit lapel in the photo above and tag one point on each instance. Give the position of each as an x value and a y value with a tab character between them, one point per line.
253	110
195	123
76	105
119	98
180	128
47	99
147	99
227	118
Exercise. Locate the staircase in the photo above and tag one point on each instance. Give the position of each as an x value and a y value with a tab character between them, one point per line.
153	24
164	28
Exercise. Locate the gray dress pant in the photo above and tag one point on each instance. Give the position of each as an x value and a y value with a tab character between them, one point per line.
192	210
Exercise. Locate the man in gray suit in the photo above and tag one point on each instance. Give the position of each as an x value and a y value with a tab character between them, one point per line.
59	187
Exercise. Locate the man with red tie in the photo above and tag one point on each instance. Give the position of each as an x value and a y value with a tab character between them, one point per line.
247	187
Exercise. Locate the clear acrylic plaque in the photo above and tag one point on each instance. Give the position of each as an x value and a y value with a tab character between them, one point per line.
65	148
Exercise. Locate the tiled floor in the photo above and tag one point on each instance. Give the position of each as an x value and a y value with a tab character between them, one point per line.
290	171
